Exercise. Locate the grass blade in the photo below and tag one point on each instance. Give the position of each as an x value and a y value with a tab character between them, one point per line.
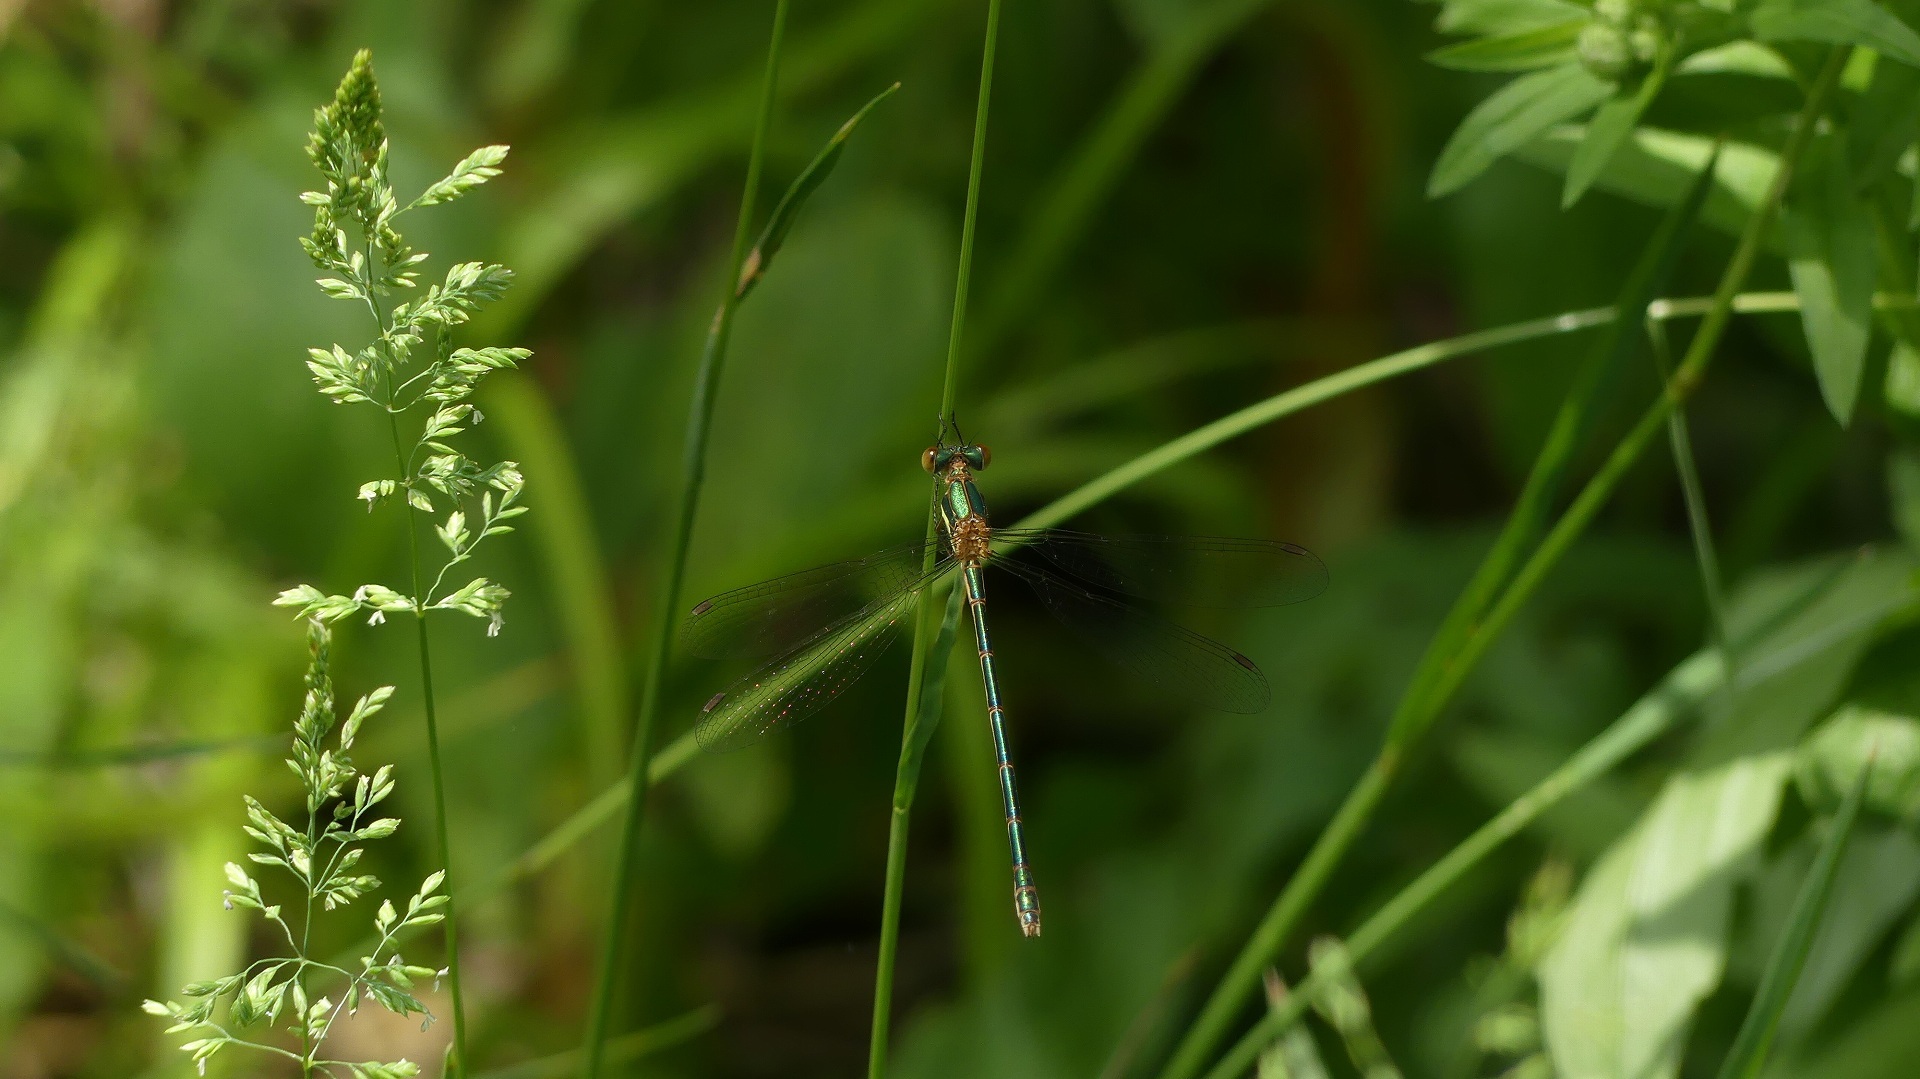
622	1050
699	424
1694	494
804	185
1749	1052
913	739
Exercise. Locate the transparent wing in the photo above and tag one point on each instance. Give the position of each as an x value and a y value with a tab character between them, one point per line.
1187	665
1197	571
807	677
772	617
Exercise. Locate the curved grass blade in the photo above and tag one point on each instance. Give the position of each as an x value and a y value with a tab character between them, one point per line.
803	185
1749	1052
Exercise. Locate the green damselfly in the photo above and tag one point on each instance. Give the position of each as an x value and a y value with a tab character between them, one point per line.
825	627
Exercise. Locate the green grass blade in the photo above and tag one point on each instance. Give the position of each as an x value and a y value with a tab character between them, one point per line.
803	186
1749	1052
912	738
699	424
1698	523
926	684
622	1050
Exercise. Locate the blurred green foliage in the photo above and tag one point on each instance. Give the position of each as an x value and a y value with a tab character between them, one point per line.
1187	206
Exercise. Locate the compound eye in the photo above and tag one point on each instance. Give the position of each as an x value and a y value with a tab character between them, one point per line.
926	459
986	458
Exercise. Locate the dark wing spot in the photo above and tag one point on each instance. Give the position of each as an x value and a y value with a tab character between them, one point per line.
713	703
1245	662
702	607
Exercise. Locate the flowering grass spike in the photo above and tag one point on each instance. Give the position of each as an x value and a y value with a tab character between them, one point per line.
410	366
293	992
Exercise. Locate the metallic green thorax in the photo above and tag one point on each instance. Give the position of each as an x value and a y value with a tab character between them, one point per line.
964	513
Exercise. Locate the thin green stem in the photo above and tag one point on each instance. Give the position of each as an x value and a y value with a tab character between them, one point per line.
444	846
921	708
1691	489
1463	638
699	425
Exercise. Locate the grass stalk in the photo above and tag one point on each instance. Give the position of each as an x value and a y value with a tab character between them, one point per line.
699	424
442	843
1462	639
922	708
1694	493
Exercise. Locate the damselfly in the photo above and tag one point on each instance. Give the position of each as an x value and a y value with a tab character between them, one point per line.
825	627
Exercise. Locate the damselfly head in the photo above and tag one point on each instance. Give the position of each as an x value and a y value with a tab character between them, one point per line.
937	458
941	454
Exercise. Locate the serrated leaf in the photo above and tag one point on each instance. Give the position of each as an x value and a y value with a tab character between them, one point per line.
1836	22
1834	262
803	186
1524	50
1513	116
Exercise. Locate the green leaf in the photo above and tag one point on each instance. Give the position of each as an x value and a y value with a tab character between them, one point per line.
1513	116
804	185
1521	51
1834	261
1505	16
1612	125
1750	1046
1837	22
1657	167
1645	941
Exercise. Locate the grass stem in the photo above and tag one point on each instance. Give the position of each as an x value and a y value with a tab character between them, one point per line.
699	424
441	841
922	708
